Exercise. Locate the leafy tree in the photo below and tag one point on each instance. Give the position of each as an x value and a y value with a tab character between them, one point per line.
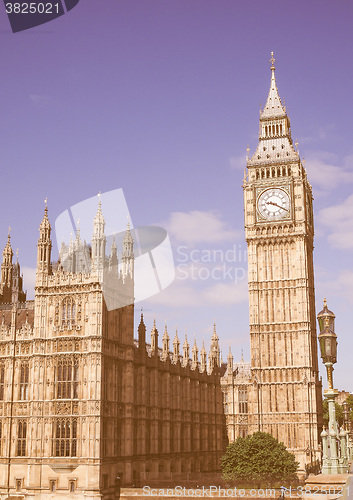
339	413
258	459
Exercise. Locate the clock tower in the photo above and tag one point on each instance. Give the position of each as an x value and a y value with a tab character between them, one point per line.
286	392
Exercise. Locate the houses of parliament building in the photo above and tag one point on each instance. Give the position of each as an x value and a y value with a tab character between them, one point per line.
83	403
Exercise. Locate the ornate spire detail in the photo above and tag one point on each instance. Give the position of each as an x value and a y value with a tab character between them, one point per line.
275	140
186	348
142	333
154	338
165	342
98	241
195	354
128	254
214	356
230	362
176	347
44	245
203	358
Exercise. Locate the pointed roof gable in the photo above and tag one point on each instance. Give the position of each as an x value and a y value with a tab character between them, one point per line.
273	106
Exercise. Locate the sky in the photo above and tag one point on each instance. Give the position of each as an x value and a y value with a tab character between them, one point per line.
161	98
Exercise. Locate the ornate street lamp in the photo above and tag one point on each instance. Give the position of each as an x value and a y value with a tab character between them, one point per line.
335	462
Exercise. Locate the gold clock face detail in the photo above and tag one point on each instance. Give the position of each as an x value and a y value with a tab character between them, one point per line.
274	204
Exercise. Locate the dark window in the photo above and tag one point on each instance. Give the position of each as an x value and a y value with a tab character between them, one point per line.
67	378
2	381
243	400
24	378
65	438
21	438
68	312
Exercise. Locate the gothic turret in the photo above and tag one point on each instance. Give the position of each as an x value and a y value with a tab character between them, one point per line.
113	257
275	140
154	339
6	272
176	347
142	335
214	356
44	247
186	349
195	353
203	358
98	242
230	362
128	255
165	342
18	295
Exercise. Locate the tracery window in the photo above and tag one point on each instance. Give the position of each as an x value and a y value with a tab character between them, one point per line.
66	378
68	312
2	381
243	399
65	437
21	438
24	379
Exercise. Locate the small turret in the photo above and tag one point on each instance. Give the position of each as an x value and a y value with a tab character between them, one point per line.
230	362
142	334
165	342
44	247
195	355
98	241
18	295
154	339
176	347
186	348
128	255
214	356
203	358
113	258
6	272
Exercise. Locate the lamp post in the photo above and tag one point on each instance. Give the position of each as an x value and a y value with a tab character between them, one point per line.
334	462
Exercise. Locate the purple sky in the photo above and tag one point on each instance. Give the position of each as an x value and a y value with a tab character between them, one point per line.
161	98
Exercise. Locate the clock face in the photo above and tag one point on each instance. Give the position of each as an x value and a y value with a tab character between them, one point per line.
274	204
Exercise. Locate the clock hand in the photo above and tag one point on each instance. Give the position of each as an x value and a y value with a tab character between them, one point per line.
276	205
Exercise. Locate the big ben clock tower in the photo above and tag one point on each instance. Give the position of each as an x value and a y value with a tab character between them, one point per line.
285	399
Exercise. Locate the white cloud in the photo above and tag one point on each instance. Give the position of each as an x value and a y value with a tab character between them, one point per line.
189	294
198	227
43	101
339	219
238	162
325	172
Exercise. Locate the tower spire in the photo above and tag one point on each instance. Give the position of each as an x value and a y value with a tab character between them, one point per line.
98	240
275	140
44	245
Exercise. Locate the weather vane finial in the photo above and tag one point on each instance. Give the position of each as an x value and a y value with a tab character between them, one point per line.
272	61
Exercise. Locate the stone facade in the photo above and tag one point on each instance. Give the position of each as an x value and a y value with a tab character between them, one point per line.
81	401
279	390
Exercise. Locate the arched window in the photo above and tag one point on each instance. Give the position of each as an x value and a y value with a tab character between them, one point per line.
2	381
66	378
68	312
65	437
24	379
243	399
21	438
